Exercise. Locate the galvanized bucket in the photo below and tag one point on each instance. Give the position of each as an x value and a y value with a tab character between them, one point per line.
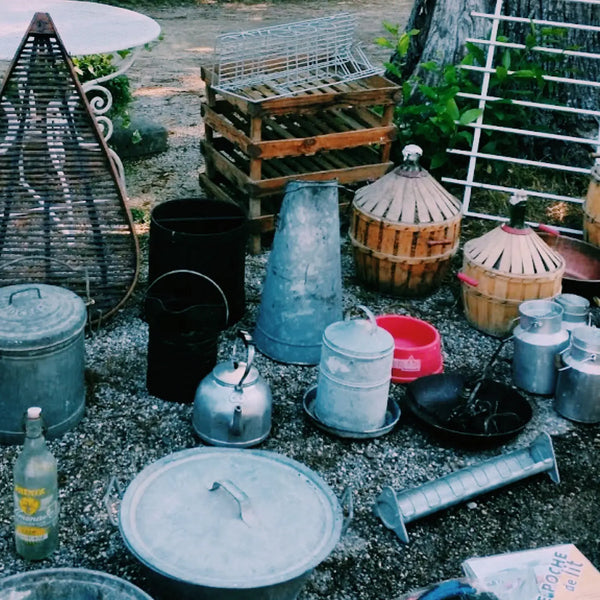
354	374
538	338
302	293
577	395
42	358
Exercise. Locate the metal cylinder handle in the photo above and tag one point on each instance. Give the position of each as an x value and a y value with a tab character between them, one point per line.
250	353
29	289
189	272
368	313
347	503
246	513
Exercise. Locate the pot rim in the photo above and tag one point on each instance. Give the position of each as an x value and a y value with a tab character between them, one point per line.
164	566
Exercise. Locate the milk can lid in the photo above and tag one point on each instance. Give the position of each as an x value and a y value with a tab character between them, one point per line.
38	315
230	518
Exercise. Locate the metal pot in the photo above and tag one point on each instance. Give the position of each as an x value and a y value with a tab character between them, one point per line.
538	338
232	406
576	311
577	395
229	524
41	357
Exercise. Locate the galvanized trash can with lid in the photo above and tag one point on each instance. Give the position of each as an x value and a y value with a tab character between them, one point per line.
354	374
42	358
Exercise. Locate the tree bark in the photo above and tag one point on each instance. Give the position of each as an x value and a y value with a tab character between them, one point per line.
445	25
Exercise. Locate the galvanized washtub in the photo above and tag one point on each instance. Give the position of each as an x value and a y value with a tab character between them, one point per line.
227	523
68	584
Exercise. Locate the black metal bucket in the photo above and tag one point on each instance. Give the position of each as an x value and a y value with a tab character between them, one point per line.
206	236
185	311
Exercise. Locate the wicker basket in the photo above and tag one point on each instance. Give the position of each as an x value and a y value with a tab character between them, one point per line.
591	209
405	229
503	268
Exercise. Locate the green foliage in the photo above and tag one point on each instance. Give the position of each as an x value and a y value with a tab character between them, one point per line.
434	115
95	66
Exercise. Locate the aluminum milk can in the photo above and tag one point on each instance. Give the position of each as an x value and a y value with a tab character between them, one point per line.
576	311
577	395
538	338
354	374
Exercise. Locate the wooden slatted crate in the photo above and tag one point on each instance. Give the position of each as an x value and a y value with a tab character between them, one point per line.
252	148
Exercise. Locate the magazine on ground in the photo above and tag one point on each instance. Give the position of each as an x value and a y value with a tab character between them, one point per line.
559	572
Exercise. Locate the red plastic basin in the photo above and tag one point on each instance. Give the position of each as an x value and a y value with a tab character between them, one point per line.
417	347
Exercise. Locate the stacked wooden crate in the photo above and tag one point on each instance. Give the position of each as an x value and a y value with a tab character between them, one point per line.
257	141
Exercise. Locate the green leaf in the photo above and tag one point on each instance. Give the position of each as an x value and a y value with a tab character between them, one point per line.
506	59
437	160
403	44
390	28
501	73
383	42
470	115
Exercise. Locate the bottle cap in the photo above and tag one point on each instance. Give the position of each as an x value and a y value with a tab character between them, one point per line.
34	412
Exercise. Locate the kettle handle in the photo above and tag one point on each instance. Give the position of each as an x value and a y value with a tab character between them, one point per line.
370	316
250	352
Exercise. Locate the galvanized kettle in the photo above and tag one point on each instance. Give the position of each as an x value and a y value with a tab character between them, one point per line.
538	338
232	406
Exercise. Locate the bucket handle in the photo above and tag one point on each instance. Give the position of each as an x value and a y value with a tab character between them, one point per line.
468	280
368	313
178	271
250	353
112	499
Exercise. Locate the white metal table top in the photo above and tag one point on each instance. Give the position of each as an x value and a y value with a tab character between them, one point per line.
84	27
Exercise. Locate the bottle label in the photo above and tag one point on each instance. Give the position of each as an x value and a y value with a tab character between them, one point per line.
35	511
28	533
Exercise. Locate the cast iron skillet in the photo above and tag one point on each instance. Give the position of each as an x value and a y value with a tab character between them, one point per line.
494	414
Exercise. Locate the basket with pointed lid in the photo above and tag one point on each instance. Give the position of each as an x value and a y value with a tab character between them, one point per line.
591	207
505	267
405	229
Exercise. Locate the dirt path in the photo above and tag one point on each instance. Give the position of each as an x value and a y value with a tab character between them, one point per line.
168	88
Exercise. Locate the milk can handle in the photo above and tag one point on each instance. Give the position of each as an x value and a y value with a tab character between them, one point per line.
250	352
29	289
241	498
370	317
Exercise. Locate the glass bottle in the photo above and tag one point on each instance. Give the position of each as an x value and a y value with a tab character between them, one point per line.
35	493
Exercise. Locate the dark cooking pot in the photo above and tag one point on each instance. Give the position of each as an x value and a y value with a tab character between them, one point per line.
229	524
582	271
443	402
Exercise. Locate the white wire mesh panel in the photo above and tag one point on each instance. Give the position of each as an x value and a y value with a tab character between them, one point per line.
290	58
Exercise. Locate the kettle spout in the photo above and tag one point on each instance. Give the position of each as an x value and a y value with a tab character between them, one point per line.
235	427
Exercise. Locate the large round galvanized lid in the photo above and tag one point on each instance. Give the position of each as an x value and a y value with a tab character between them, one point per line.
408	194
229	518
38	315
361	338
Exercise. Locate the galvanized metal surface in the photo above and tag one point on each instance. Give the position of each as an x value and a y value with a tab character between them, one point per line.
396	509
41	358
60	196
538	338
302	291
75	584
224	518
576	311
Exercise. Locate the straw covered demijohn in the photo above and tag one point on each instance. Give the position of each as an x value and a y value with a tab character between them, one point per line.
405	230
591	208
503	268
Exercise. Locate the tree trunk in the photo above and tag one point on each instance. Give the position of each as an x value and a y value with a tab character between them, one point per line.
445	25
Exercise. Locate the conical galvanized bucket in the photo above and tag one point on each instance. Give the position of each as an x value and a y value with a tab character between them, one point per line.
302	292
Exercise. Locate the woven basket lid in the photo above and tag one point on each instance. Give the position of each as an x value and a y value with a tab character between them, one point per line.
514	247
408	194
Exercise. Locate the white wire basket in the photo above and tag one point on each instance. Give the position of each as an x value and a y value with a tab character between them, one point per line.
288	59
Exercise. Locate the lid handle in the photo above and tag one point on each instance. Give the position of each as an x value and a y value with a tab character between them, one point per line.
246	513
368	313
250	352
23	291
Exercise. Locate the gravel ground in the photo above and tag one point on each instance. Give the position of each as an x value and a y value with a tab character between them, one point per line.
125	429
